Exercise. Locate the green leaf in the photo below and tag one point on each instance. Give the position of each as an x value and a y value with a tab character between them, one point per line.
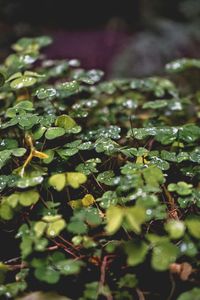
163	255
77	227
19	152
135	217
88	166
29	182
193	294
182	64
44	93
23	82
4	157
153	176
69	267
106	145
50	158
31	44
7	144
193	225
71	86
58	181
75	179
47	274
19	108
91	291
92	216
189	133
55	228
175	229
107	178
136	252
114	217
54	132
38	133
108	199
13	200
164	135
51	218
128	281
156	104
27	121
2	79
29	198
182	188
195	156
40	228
66	122
6	212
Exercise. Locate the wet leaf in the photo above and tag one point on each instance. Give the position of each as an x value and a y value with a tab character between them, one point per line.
66	122
55	228
23	82
39	228
44	93
54	132
182	64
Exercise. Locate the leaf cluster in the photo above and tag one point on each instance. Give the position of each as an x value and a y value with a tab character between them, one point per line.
99	180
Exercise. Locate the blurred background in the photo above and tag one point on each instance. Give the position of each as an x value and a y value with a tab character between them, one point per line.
129	38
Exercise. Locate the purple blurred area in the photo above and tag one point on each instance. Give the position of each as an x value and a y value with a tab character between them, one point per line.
95	49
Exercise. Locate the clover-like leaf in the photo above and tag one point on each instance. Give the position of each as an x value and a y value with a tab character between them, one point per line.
175	228
193	225
182	64
23	82
163	255
114	216
55	228
191	294
182	188
135	217
44	93
66	122
58	181
75	179
88	200
54	132
136	252
29	197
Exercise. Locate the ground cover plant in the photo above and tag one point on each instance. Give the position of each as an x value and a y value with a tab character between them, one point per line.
99	181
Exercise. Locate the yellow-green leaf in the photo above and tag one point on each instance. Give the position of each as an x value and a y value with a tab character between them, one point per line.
39	228
88	200
55	228
135	217
29	197
114	217
58	181
75	179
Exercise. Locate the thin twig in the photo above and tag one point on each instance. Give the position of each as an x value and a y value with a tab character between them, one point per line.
172	288
140	294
